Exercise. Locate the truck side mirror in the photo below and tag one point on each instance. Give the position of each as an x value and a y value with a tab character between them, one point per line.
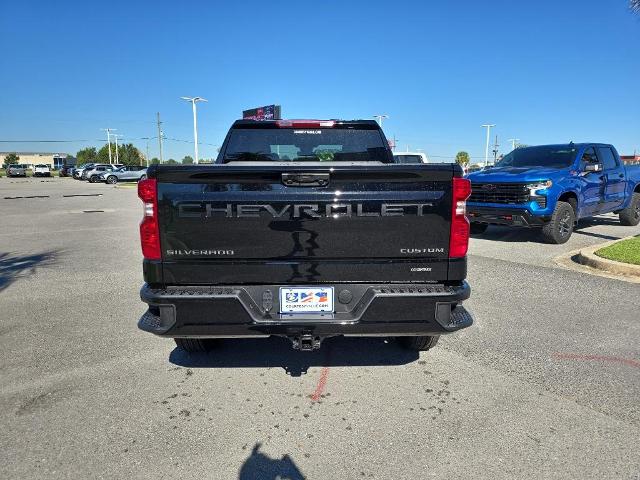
592	167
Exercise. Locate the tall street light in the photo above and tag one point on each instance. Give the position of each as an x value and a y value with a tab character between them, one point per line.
513	142
486	150
193	101
380	118
116	137
109	130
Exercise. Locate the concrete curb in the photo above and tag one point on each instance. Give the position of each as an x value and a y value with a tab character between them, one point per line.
587	256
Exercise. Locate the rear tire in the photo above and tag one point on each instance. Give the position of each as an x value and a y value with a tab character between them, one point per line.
195	345
143	177
112	180
479	228
630	216
560	227
419	344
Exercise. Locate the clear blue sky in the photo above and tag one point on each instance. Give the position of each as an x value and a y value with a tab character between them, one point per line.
543	71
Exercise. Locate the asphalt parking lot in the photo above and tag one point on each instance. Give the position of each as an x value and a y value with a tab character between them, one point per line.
544	385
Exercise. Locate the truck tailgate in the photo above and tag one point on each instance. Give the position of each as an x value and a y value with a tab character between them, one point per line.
283	223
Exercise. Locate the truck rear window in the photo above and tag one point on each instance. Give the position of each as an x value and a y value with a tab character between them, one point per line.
305	144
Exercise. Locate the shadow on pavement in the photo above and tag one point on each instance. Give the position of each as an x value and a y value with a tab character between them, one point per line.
13	267
510	234
594	221
596	235
261	467
277	352
521	234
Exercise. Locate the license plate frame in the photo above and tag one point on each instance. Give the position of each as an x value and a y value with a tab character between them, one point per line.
293	300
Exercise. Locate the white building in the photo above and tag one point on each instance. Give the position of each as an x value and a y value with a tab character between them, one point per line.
54	160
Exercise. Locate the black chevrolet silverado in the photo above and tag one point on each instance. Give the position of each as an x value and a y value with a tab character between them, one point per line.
304	229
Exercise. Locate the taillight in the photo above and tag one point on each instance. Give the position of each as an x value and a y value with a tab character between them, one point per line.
459	240
149	231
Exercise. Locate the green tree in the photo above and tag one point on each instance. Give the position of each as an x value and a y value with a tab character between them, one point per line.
129	155
171	161
103	154
11	158
86	155
462	158
154	161
187	160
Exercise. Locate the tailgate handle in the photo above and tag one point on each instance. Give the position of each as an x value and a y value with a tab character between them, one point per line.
305	179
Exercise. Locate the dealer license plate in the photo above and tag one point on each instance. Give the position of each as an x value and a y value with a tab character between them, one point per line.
306	300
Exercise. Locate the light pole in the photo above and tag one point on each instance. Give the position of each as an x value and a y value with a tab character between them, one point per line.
486	150
193	101
160	136
116	137
513	142
380	118
109	130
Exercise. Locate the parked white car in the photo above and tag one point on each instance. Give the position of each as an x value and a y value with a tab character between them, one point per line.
42	170
410	157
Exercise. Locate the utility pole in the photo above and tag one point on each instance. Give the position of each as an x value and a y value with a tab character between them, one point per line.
160	136
395	142
495	150
117	157
109	130
380	118
486	150
193	101
513	143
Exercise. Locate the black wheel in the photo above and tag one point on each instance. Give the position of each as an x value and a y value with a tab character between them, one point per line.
421	344
195	345
478	228
630	216
560	227
93	179
143	177
112	179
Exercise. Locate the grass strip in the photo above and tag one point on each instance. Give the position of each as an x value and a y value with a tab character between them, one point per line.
626	251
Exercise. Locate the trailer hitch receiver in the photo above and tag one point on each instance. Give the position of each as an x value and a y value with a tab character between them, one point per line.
306	342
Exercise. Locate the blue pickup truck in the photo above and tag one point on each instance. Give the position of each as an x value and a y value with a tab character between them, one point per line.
552	187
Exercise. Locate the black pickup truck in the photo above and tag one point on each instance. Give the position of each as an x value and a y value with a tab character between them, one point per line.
304	229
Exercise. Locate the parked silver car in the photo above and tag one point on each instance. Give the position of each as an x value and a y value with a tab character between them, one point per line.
15	170
93	175
129	173
97	169
77	172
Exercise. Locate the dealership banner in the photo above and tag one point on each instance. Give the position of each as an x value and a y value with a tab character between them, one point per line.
268	112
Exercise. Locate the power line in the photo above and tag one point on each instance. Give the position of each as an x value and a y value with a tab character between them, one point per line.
105	140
